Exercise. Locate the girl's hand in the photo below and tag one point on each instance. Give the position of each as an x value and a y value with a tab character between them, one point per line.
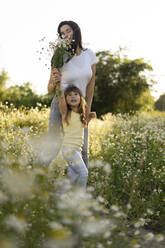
55	76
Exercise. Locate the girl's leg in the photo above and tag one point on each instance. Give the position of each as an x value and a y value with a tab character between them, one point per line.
76	163
72	175
85	147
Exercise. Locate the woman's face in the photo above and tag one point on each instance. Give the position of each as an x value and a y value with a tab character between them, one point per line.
73	99
67	32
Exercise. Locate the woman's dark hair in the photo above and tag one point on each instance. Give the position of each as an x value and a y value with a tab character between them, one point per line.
81	108
77	40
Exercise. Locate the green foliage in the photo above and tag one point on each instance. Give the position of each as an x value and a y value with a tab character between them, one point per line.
160	103
21	95
3	79
57	59
146	101
119	83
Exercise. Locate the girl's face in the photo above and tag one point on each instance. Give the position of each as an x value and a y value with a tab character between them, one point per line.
73	99
67	32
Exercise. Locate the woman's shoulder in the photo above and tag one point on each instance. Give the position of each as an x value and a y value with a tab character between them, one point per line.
91	55
87	50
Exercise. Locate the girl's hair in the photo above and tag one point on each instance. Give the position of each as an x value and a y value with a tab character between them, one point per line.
77	40
81	107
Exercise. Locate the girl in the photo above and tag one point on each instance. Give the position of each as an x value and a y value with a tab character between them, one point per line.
72	107
80	70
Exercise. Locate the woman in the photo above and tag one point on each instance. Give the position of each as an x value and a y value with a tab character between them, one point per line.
78	71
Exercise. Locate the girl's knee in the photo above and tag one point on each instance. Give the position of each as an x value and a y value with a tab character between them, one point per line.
68	153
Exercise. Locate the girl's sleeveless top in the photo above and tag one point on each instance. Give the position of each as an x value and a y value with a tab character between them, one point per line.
74	132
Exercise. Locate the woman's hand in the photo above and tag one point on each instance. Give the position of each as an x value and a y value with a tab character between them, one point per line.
90	116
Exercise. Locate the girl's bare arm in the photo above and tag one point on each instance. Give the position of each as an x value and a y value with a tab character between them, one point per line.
62	103
55	76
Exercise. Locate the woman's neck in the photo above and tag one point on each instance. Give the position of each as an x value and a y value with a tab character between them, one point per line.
78	51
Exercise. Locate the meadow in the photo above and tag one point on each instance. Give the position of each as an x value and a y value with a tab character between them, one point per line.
124	205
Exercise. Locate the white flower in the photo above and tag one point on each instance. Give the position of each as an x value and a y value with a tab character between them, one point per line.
99	245
90	189
109	242
149	236
100	199
141	222
17	182
107	234
107	168
3	197
136	246
159	237
149	211
92	227
16	222
96	163
122	234
115	207
137	232
129	206
25	130
55	225
119	214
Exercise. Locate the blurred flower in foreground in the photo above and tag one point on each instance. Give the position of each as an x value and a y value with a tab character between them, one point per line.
140	223
3	197
149	236
18	182
16	222
6	244
135	244
94	226
159	237
115	207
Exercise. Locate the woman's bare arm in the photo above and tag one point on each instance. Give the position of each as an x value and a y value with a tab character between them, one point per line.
90	90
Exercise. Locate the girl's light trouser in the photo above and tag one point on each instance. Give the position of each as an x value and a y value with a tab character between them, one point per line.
77	170
56	132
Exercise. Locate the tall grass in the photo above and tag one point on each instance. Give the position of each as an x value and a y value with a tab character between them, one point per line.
135	149
125	187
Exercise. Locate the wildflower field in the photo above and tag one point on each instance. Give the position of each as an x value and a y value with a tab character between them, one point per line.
125	193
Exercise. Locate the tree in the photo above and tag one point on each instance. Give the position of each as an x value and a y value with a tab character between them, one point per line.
160	103
21	95
146	101
3	79
119	83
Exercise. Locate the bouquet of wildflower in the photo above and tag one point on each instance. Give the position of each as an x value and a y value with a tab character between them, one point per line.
62	53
